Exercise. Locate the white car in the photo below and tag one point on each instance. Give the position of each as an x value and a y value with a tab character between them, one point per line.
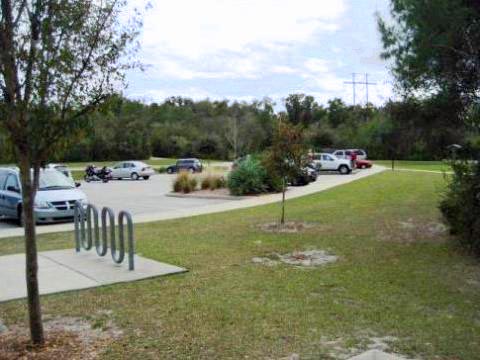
132	169
347	154
329	162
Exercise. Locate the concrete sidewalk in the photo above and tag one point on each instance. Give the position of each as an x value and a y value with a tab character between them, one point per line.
324	182
65	270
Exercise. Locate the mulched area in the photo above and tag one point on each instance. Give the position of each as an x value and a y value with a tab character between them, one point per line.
65	338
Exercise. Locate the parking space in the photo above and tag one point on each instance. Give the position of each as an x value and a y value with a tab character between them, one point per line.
138	197
146	200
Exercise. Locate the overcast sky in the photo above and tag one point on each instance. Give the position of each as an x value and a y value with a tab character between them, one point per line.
246	49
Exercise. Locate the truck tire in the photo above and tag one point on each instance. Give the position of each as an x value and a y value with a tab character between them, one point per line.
343	169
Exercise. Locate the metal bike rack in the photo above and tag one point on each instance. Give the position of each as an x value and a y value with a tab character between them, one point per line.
88	236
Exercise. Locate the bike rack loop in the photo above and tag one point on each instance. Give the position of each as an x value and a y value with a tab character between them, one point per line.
86	237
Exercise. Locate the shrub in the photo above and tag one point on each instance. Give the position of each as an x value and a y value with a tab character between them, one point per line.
162	169
184	183
249	177
460	205
213	182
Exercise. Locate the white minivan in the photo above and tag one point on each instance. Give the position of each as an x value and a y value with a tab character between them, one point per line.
347	154
55	199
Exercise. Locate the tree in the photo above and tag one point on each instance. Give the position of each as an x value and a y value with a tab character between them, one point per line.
59	60
435	47
287	156
300	108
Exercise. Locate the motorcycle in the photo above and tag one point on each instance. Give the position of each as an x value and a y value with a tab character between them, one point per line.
92	173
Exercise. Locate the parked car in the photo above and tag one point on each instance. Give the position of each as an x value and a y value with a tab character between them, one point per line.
132	169
312	172
301	178
329	162
190	165
363	164
347	154
55	199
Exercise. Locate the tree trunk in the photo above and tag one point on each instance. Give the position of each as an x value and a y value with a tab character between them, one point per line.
282	220
393	164
29	188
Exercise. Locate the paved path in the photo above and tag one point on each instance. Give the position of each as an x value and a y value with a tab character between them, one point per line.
65	270
324	182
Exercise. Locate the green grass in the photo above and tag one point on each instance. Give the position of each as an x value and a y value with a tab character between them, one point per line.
415	165
390	280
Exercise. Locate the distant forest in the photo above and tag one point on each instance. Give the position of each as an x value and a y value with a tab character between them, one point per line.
180	127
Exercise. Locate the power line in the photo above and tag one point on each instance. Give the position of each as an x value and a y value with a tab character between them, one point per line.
354	82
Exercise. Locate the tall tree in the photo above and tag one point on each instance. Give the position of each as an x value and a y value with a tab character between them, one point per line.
59	60
435	47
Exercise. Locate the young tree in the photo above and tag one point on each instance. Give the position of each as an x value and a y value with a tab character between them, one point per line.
287	156
59	60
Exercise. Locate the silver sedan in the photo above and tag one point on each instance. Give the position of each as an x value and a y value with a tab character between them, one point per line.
132	169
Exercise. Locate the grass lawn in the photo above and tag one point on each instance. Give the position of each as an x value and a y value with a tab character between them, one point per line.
397	276
415	165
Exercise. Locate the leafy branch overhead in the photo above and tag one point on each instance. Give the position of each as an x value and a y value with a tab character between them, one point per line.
59	61
435	47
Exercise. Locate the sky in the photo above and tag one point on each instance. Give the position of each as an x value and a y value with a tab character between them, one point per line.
251	49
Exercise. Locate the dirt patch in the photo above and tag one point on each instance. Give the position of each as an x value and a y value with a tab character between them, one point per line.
309	258
413	231
343	349
66	338
288	227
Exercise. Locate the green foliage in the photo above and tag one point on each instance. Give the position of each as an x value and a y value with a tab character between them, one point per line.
460	205
248	178
434	46
185	183
288	152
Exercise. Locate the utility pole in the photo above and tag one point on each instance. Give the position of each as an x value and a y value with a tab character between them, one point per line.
354	82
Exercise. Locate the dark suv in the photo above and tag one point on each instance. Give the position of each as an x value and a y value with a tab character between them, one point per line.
190	165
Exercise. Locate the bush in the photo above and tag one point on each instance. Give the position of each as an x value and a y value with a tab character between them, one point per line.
249	177
162	170
460	205
213	182
184	183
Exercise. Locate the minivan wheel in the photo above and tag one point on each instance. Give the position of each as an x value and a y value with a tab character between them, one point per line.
169	171
191	170
134	176
343	169
20	216
146	177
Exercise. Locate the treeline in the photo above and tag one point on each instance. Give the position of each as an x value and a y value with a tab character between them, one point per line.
179	127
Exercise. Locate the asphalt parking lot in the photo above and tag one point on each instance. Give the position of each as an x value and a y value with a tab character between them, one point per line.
138	197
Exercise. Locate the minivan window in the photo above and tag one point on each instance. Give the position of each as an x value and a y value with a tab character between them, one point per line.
3	177
12	182
54	180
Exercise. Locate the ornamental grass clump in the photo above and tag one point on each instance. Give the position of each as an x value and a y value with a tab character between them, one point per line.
184	183
213	182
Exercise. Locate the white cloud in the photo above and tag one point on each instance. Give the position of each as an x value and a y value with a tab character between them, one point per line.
187	39
192	28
